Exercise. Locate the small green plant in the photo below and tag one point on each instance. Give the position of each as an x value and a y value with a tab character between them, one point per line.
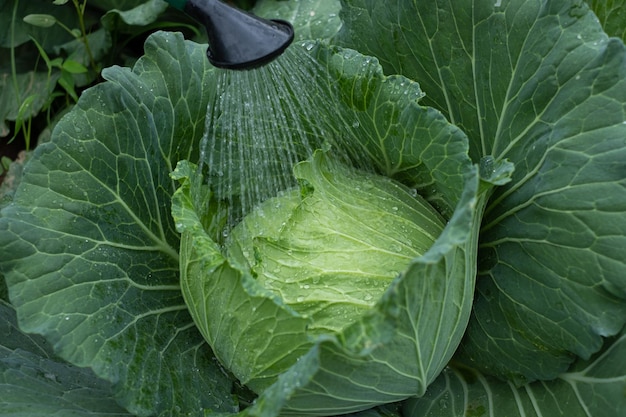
43	99
80	33
58	48
68	68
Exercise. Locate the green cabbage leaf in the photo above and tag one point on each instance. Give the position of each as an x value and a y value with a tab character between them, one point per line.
541	84
312	19
34	382
593	387
89	249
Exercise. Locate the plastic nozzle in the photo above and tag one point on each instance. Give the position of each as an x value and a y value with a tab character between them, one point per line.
237	39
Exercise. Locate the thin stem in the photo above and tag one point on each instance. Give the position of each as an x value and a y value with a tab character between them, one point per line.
13	66
27	126
81	21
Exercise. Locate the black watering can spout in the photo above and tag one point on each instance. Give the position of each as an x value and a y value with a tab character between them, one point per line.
237	39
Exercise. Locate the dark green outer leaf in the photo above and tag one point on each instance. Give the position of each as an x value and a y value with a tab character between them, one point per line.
538	83
593	388
33	382
311	19
88	246
141	15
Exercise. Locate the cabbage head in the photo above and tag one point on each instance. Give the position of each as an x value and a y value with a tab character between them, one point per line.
318	279
329	249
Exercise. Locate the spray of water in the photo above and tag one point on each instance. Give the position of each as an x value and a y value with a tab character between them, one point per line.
260	124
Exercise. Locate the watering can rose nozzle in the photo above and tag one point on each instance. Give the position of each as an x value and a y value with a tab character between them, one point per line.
237	39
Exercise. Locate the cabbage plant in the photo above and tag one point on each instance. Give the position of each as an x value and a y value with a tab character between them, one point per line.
307	269
495	128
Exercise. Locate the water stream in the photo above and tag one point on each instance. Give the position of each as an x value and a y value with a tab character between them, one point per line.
261	123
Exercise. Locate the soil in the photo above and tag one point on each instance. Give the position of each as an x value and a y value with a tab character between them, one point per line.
10	150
